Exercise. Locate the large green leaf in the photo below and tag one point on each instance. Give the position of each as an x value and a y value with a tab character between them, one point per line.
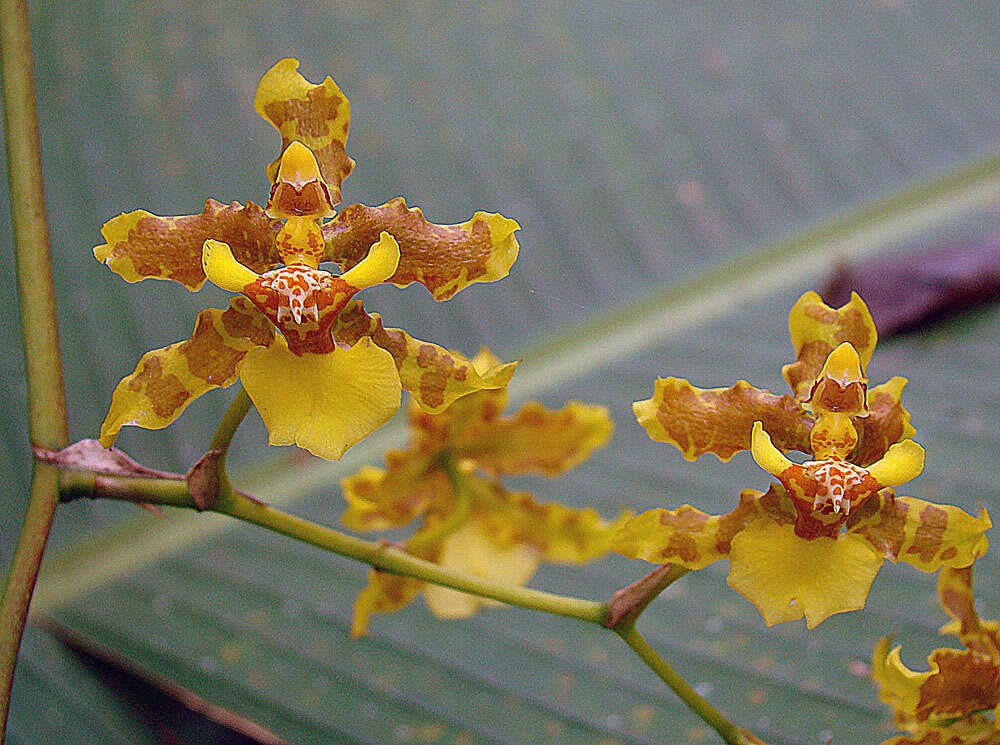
654	156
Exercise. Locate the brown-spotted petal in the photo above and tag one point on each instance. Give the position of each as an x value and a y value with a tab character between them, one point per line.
955	595
959	683
141	245
817	329
692	538
887	423
167	380
925	535
719	420
535	439
555	532
378	499
443	258
318	116
434	376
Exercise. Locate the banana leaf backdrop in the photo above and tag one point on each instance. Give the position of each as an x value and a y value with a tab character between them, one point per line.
641	146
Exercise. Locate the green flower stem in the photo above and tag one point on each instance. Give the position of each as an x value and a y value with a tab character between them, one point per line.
231	421
46	397
713	718
378	555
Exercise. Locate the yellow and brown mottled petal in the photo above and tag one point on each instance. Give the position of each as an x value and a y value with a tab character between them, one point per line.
535	439
955	595
816	329
719	420
141	245
925	535
959	683
378	499
318	116
692	538
887	423
443	258
167	380
554	531
434	376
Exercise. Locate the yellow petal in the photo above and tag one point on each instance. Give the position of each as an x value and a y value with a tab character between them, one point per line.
141	245
318	116
166	380
788	577
902	462
434	376
377	266
222	268
765	454
887	422
719	420
324	403
925	535
443	258
816	329
535	439
471	550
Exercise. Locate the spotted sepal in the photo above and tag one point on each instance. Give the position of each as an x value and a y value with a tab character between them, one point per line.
925	535
167	380
719	420
692	538
434	376
318	116
141	245
443	258
817	329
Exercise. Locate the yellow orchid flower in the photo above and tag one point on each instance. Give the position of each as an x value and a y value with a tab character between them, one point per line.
956	701
331	374
469	521
812	544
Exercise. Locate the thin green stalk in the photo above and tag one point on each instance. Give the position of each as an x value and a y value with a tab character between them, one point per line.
388	559
712	717
231	421
377	555
46	397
